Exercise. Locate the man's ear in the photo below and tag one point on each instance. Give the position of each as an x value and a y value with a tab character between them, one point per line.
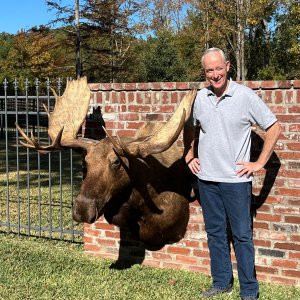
227	65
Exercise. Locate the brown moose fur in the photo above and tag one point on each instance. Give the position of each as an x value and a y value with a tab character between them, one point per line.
149	195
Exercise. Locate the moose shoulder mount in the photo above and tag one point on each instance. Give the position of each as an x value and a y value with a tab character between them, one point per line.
139	182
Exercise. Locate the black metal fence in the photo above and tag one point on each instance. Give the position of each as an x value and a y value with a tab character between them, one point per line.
36	190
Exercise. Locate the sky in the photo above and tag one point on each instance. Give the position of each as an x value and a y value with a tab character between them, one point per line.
24	14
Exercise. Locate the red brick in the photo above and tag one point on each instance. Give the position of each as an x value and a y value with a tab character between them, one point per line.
292	219
114	97
288	118
191	244
278	97
88	239
94	86
106	86
288	192
282	280
290	173
139	108
156	85
139	99
151	263
161	256
200	253
295	238
131	97
106	242
112	234
262	243
130	86
262	225
104	225
278	109
178	250
286	210
134	125
184	259
289	155
294	109
143	86
294	127
268	217
269	84
268	270
287	264
182	85
169	85
91	232
129	133
169	265
284	84
287	246
291	273
254	85
118	86
289	97
129	117
294	255
296	84
92	248
267	96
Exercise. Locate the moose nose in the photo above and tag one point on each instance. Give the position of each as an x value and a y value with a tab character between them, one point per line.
84	211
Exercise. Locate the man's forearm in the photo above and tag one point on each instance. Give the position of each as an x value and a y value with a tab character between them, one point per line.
271	138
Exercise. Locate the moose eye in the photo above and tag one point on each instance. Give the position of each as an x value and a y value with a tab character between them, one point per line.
116	163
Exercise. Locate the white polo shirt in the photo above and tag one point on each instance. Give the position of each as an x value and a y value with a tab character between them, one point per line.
225	135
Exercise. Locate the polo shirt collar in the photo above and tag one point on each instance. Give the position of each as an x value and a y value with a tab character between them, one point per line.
230	90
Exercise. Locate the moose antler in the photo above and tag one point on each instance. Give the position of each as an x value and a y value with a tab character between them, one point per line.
64	122
163	138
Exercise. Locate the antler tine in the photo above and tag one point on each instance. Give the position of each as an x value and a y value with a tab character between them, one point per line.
126	149
117	147
46	109
29	141
33	144
168	134
151	148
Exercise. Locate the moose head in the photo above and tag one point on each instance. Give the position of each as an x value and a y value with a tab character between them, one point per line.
139	182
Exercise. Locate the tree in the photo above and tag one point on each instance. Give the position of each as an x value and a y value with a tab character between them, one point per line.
29	56
285	43
159	15
105	31
161	60
227	23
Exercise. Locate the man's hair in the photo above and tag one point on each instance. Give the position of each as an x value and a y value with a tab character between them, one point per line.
213	50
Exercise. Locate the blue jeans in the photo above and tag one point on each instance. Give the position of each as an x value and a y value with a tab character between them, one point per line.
223	205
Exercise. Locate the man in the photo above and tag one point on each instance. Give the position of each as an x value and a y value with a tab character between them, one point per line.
224	112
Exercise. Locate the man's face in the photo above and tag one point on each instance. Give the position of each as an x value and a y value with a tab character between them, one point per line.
216	70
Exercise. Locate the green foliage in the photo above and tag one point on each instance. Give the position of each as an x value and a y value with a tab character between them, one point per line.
270	72
161	60
41	269
261	40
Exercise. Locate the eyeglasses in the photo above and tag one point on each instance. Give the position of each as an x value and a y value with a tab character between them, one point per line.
217	70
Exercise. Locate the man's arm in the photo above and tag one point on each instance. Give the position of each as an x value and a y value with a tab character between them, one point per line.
189	134
272	135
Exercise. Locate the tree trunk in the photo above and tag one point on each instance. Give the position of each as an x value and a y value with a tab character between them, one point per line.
77	42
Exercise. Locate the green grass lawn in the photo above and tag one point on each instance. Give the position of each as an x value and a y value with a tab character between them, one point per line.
41	269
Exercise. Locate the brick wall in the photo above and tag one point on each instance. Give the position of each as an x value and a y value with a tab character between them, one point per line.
276	189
